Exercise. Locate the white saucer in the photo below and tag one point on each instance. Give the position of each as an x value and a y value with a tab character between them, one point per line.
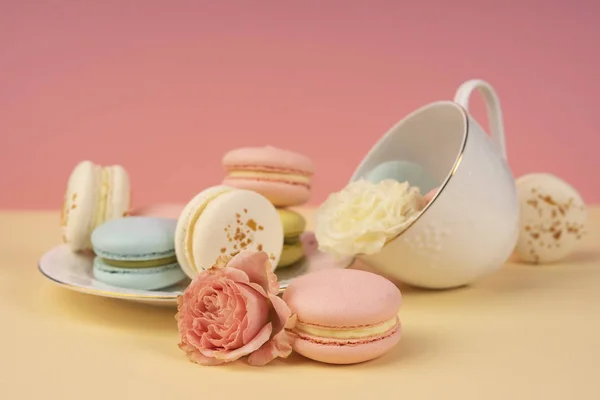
74	271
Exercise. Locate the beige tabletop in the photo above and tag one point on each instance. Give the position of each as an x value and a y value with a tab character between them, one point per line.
526	332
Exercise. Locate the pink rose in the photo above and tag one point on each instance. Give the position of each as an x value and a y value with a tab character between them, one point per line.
232	310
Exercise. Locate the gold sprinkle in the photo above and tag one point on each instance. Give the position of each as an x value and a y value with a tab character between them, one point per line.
532	203
548	200
251	224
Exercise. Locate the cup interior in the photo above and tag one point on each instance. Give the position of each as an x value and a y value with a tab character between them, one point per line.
432	138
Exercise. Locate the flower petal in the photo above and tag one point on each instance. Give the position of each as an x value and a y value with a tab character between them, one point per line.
260	339
198	358
257	267
257	312
279	346
282	313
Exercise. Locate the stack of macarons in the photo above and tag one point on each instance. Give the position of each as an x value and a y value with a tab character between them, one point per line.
281	176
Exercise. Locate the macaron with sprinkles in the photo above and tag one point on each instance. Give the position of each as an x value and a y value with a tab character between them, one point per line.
223	221
137	253
94	195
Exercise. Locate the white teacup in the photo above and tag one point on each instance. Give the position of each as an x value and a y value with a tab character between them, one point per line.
470	228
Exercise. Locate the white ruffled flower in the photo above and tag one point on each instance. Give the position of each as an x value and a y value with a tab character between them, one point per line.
362	217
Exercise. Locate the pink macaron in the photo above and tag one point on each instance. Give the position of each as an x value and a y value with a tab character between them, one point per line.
282	176
344	316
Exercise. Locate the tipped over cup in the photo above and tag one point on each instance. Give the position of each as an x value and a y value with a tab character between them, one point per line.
469	226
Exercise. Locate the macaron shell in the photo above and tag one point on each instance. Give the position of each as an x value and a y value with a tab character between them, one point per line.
135	238
552	218
280	194
138	278
79	206
270	157
343	298
346	354
291	254
119	200
293	223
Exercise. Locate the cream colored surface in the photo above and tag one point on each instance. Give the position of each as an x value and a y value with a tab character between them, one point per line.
525	332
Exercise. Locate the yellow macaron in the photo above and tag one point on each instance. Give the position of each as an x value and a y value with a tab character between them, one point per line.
293	226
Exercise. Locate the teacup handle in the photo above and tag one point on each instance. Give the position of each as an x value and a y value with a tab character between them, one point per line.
493	108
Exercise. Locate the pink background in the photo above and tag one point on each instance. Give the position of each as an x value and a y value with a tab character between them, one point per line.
166	87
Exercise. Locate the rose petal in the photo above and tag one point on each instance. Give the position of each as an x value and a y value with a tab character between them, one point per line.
261	338
257	312
188	348
257	267
236	275
282	313
291	323
198	358
279	346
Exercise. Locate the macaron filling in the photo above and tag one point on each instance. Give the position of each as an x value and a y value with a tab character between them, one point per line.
291	240
151	278
294	178
357	332
140	263
104	177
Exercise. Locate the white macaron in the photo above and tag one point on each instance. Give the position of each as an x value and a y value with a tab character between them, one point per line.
94	195
224	221
552	218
